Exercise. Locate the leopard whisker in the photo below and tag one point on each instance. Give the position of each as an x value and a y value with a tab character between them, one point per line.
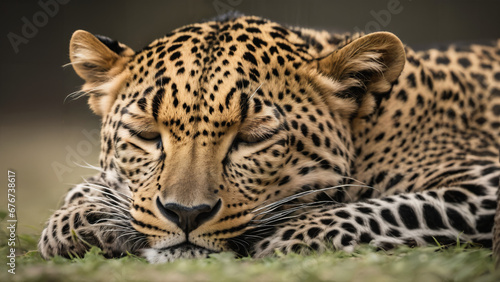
143	242
119	221
109	222
296	205
89	166
103	187
106	188
278	219
115	216
111	193
80	93
306	193
131	234
112	204
279	216
253	94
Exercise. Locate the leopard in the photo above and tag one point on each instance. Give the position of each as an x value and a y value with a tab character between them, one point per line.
243	135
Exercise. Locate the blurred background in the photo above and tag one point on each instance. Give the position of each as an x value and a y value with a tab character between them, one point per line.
44	138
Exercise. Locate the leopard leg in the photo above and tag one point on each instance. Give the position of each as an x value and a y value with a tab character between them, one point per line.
443	215
93	214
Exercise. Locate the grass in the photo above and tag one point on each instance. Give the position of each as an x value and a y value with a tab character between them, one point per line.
456	263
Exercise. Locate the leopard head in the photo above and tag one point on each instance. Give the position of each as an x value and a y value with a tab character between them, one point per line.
221	128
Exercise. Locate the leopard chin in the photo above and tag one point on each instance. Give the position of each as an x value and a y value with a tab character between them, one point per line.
180	251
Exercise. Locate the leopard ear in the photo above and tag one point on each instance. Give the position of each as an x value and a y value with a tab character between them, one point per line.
370	63
99	60
373	61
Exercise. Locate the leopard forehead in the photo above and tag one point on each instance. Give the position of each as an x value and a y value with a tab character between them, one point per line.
205	77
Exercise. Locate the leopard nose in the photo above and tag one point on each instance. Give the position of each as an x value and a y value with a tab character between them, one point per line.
188	218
